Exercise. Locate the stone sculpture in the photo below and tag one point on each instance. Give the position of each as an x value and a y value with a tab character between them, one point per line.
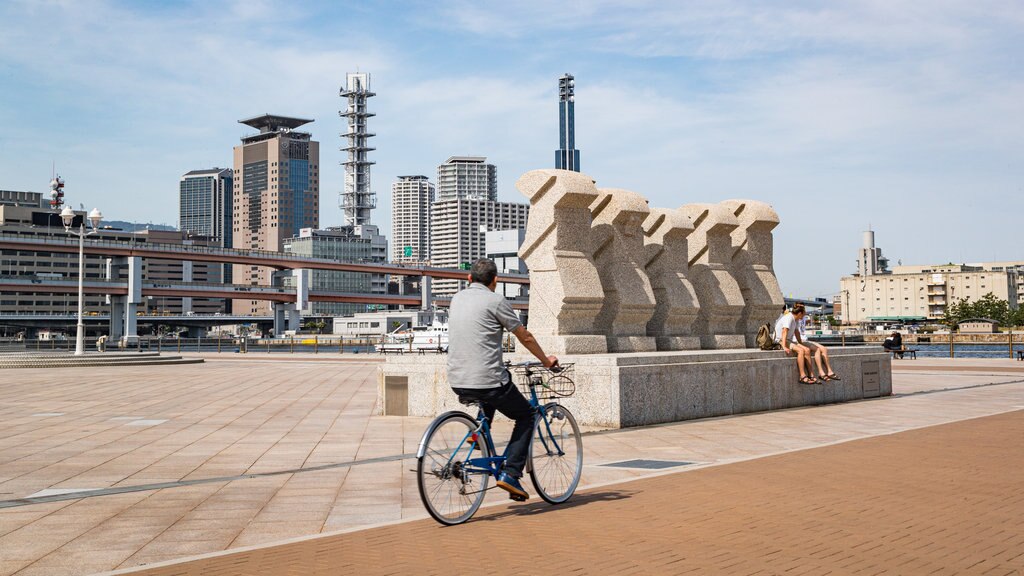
710	257
751	266
667	267
619	252
565	289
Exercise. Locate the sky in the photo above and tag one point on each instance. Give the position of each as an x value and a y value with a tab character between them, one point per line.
905	117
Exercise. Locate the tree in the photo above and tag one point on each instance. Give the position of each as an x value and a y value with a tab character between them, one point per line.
992	308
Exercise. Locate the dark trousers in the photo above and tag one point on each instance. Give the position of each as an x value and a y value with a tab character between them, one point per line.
509	401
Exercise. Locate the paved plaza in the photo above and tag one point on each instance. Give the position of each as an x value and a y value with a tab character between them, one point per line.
114	468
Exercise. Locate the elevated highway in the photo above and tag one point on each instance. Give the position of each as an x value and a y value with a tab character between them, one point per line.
277	260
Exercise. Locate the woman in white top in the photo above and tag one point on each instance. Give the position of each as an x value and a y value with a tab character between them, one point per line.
787	333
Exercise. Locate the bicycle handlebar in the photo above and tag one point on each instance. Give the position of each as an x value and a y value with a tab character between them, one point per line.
534	364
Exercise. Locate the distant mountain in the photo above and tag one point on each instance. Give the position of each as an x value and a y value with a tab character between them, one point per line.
132	226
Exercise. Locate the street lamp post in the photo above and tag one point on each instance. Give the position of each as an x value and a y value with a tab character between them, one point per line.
68	216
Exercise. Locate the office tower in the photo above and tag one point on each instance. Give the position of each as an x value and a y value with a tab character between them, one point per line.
467	177
357	199
411	197
567	157
204	204
458	230
276	194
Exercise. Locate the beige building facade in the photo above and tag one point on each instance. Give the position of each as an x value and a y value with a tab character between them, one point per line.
921	293
276	194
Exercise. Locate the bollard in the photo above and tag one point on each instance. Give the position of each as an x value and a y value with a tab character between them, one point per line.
341	344
268	346
291	344
218	345
843	335
199	342
1009	344
159	345
316	344
53	344
179	343
951	344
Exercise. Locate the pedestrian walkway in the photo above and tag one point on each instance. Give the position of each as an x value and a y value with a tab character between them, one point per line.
130	466
937	500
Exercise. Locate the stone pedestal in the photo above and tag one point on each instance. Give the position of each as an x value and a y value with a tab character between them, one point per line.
620	390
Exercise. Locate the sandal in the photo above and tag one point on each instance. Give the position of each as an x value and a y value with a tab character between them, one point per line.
806	380
832	376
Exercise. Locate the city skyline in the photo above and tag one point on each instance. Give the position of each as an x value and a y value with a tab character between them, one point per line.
838	116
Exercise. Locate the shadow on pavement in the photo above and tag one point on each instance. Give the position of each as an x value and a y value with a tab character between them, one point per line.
540	507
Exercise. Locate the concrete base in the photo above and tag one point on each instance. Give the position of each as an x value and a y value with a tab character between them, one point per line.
635	389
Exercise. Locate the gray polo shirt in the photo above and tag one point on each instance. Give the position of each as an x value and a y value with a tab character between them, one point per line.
476	318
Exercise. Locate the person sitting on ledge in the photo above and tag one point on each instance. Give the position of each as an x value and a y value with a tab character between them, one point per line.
787	333
894	343
819	352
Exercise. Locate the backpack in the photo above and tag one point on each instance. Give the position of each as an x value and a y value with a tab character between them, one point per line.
765	338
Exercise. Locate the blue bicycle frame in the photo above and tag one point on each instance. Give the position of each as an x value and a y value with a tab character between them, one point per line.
492	464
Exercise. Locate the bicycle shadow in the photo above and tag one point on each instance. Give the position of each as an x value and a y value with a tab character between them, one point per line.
542	507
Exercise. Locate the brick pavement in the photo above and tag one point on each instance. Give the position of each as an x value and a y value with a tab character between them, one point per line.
221	423
937	500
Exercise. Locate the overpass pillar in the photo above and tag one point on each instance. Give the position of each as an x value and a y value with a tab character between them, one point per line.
133	270
286	317
116	305
186	276
302	283
425	293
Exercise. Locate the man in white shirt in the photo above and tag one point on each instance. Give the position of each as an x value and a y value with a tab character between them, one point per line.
787	333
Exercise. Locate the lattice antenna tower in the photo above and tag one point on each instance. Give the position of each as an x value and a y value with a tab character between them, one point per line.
357	199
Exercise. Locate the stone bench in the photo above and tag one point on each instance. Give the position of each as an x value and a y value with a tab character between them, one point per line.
635	389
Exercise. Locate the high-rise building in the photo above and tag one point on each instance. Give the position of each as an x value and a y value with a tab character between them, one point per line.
276	194
204	201
458	230
467	177
358	198
411	197
567	157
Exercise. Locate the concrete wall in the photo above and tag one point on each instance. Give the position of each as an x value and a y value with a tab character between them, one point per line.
620	390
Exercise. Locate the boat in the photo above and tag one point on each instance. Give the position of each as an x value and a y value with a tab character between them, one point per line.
433	337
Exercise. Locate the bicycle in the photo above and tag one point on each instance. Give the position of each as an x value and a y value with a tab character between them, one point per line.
455	461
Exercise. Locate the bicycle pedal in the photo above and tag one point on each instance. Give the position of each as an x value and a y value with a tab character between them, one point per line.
515	498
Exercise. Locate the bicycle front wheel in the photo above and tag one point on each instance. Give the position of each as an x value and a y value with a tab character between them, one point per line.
450	493
556	454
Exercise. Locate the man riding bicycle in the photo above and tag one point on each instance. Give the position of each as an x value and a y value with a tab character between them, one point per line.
476	318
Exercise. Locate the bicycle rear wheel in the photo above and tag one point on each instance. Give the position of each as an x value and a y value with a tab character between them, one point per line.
449	493
556	454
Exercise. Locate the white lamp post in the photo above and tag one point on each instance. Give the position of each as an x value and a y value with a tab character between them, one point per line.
68	216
